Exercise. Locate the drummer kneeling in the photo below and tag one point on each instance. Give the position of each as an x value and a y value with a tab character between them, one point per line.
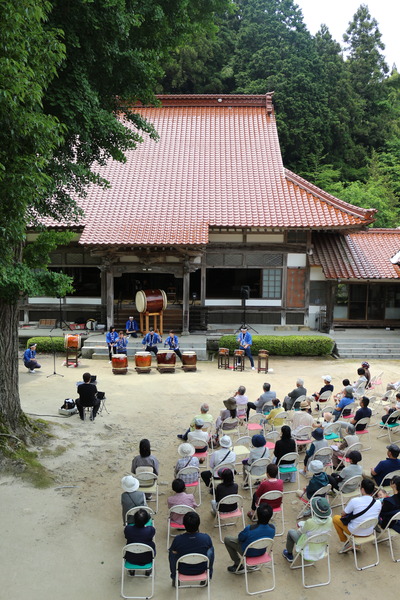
87	397
173	343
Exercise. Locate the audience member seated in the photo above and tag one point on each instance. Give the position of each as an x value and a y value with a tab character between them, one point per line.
317	481
257	451
347	399
327	419
204	414
365	504
338	479
145	461
318	442
261	529
241	401
327	387
270	418
192	541
223	455
139	533
389	410
394	385
361	383
362	413
319	523
302	418
339	395
390	464
87	397
198	435
264	403
186	459
348	440
283	446
271	484
180	497
230	410
130	497
223	489
298	391
365	366
391	506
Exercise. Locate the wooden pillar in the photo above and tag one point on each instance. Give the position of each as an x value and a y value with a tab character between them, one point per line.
330	303
203	285
109	276
185	300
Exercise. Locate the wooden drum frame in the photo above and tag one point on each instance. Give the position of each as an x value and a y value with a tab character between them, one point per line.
143	362
119	364
189	361
166	360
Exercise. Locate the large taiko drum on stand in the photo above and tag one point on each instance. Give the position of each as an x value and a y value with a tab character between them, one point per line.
189	360
143	362
166	361
72	342
119	364
151	301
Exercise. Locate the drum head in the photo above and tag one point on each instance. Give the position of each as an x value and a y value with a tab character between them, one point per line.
141	301
189	353
164	299
143	354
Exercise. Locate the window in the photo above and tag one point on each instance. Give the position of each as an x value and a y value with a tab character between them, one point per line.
272	283
318	293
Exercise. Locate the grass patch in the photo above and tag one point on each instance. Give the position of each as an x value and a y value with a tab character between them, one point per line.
34	472
53	452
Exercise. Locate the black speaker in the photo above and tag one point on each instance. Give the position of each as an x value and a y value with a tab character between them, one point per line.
245	292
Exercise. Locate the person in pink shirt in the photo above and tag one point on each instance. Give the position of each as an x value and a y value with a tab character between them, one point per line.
180	497
271	484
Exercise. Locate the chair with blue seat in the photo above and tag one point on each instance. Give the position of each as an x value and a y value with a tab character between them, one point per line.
332	431
202	580
255	563
304	554
292	468
134	510
391	428
147	570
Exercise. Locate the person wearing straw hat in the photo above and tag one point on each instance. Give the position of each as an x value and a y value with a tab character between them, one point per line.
186	452
319	523
222	456
130	497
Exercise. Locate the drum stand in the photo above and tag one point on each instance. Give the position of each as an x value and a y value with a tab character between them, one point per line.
72	355
155	316
262	358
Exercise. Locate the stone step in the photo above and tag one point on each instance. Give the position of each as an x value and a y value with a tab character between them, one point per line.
365	355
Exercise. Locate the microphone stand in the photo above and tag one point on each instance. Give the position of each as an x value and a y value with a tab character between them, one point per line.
54	360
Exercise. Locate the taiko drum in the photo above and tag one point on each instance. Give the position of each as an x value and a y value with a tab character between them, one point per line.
143	362
189	360
72	342
166	361
152	301
119	364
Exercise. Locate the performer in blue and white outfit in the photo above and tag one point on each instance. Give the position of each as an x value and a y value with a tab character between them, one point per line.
131	327
29	358
150	340
122	343
245	342
173	343
111	338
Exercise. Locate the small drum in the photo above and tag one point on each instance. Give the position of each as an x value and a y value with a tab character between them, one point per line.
189	360
238	360
166	361
143	362
223	351
223	358
152	301
119	364
72	342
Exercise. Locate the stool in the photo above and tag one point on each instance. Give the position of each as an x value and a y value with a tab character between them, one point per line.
223	358
262	356
88	412
238	360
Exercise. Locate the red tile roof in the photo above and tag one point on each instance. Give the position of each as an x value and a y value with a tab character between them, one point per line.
358	255
217	163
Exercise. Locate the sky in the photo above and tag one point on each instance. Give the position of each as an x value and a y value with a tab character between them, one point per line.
337	14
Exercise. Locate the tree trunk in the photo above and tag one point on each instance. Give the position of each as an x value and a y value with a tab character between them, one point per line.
11	415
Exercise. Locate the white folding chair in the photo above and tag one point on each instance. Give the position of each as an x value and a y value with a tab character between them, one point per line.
332	431
349	415
201	454
324	455
271	438
388	477
230	426
255	424
255	563
391	428
282	416
224	519
148	483
293	459
302	437
390	533
323	491
192	581
344	457
215	479
255	472
134	510
273	495
358	540
139	570
242	448
365	431
354	484
306	561
179	509
195	485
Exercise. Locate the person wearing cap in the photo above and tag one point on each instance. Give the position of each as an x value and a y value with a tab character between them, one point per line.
180	498
257	451
121	343
198	436
348	398
367	373
327	387
349	439
186	452
302	418
131	327
264	403
298	391
362	413
222	456
204	414
319	523
151	340
29	358
131	497
390	464
318	480
318	442
140	533
173	344
338	480
245	342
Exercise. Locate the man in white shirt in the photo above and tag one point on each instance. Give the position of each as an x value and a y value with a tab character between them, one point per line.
198	436
219	457
365	504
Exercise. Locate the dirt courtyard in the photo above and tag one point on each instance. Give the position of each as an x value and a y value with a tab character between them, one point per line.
65	541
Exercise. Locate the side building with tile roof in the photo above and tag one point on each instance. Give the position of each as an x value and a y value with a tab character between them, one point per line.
209	214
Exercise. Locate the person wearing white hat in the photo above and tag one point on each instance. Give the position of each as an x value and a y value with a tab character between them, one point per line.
317	481
222	456
130	496
327	387
186	452
131	327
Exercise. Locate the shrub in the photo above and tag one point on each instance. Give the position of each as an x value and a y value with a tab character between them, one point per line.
47	344
290	345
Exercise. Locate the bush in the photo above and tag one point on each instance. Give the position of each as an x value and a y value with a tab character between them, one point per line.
290	345
47	344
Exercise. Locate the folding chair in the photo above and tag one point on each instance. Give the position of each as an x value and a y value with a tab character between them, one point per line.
352	481
198	445
343	458
273	495
271	437
297	402
388	477
324	455
230	426
242	449
324	397
148	483
252	472
376	381
332	431
236	513
293	458
304	554
192	581
360	391
215	476
391	533
389	428
323	491
255	563
179	509
350	407
283	416
194	484
140	570
357	540
102	397
255	424
133	510
305	434
365	431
